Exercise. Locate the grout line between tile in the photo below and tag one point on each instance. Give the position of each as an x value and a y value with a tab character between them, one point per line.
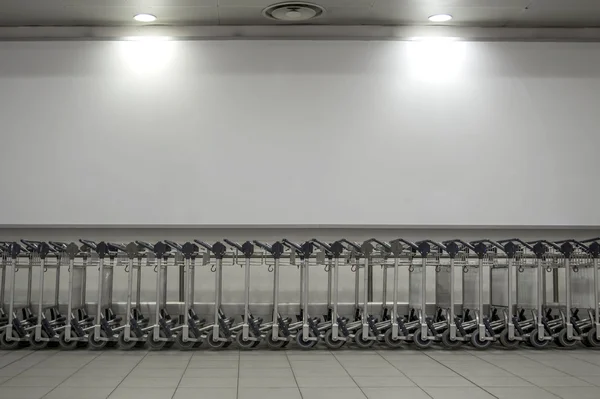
70	375
353	380
400	371
182	374
237	391
127	375
294	374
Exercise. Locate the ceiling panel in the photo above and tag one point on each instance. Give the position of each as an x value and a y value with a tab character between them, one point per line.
529	13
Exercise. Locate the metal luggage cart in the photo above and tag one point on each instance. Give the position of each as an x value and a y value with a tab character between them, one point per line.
3	267
592	338
580	292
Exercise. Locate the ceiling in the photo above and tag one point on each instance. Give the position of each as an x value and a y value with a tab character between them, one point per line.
495	13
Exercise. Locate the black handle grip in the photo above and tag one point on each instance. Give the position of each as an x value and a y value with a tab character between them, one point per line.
385	245
291	245
412	245
88	243
233	244
173	244
458	240
58	246
577	244
440	246
591	240
352	244
119	247
326	247
488	241
203	244
517	240
31	245
263	246
145	245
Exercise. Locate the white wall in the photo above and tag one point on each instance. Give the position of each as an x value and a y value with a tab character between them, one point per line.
299	133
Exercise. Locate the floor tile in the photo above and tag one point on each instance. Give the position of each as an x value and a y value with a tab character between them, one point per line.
267	382
154	382
396	393
499	381
388	371
567	381
331	372
376	382
11	371
210	364
220	373
332	393
521	392
146	393
208	382
23	392
269	393
76	393
209	393
92	382
328	382
441	381
592	379
575	392
19	381
48	372
459	393
103	372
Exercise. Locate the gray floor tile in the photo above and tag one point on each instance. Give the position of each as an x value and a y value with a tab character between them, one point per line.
152	373
208	382
265	363
214	372
436	371
146	382
459	393
376	382
539	371
23	392
103	372
592	379
575	392
11	371
92	382
328	382
521	392
567	381
210	393
48	372
33	382
388	371
268	393
270	373
441	381
332	393
320	372
146	393
2	379
267	382
511	381
396	393
77	393
212	363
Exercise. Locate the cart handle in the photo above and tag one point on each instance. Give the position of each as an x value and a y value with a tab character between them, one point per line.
31	245
518	240
233	244
412	245
352	244
591	239
577	244
119	247
173	245
437	244
385	245
458	240
88	243
492	243
326	247
263	246
58	246
145	245
546	242
205	245
291	245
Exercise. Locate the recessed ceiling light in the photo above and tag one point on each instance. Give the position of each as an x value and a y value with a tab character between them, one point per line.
145	18
440	18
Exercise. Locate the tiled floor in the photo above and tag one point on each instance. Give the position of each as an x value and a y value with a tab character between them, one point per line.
292	374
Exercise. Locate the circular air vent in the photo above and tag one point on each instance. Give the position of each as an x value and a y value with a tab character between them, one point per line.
293	11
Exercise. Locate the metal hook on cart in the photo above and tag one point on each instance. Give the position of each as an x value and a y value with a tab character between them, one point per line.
411	268
270	268
353	268
213	268
465	269
326	268
438	268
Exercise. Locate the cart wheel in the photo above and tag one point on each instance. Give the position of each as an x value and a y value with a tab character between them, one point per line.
390	341
256	343
564	341
507	343
184	346
155	345
536	342
9	345
244	344
66	345
38	345
591	338
361	342
330	342
449	343
279	344
93	343
215	344
126	345
306	344
112	344
478	343
169	344
420	342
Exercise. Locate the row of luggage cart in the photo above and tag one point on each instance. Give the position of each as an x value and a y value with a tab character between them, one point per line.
515	310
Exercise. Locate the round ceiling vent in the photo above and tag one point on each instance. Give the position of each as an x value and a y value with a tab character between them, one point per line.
293	11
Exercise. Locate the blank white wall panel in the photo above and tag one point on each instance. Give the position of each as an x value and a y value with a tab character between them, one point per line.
299	133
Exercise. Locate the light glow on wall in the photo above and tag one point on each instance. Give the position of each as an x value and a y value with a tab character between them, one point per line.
145	55
436	59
